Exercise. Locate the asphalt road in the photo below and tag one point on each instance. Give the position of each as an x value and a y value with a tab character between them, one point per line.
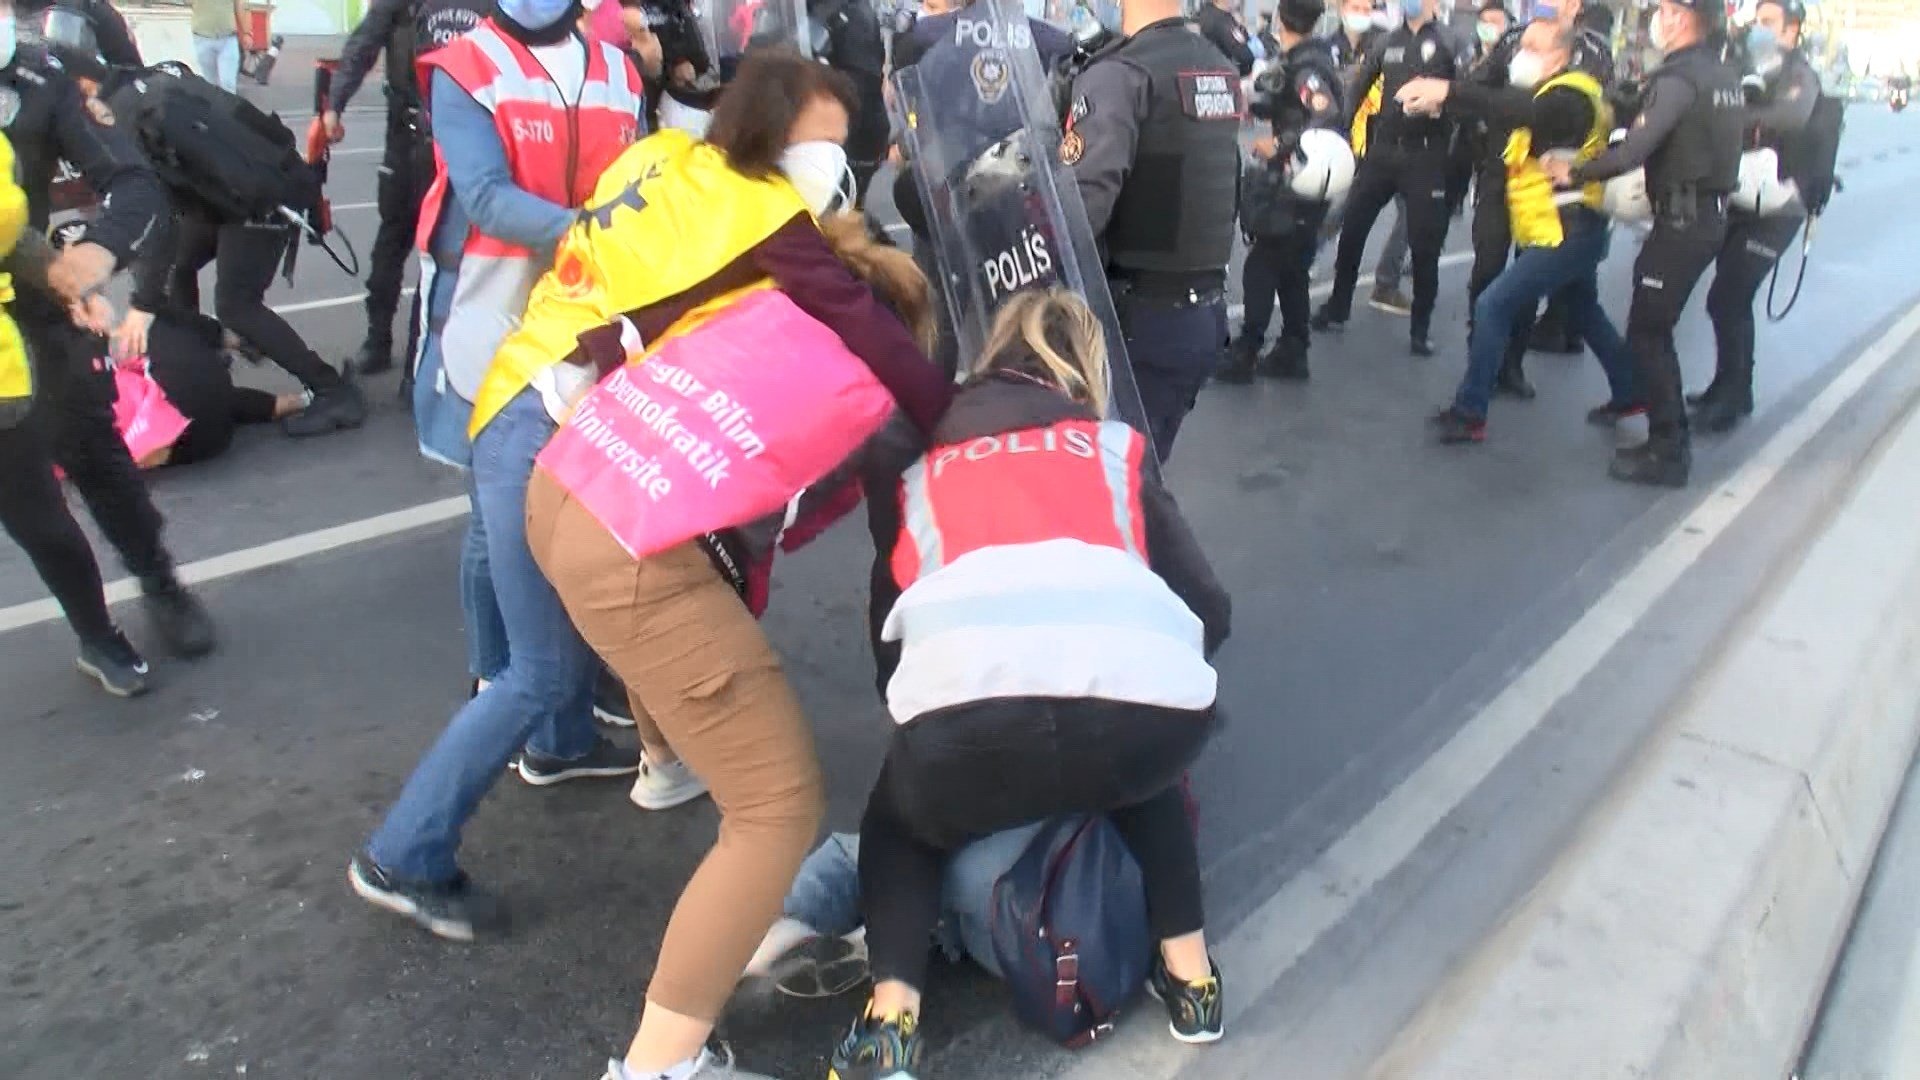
171	880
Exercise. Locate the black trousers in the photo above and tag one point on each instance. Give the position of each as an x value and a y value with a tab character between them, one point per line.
246	257
1677	252
1419	176
1752	249
1492	250
405	173
1280	267
71	424
1173	347
961	774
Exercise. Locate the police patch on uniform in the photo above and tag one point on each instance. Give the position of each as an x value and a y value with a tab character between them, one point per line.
9	106
1082	108
1211	95
99	111
990	75
1072	148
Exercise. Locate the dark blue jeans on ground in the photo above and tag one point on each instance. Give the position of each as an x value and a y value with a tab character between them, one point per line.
1534	274
542	699
1173	349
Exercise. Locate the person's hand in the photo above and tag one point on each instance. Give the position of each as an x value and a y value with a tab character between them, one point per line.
1560	171
246	39
330	123
895	155
683	74
80	269
94	314
1423	96
1266	147
130	339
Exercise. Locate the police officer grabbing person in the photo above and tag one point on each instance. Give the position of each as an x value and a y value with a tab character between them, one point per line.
402	30
1688	137
1406	157
1782	91
1301	92
1152	133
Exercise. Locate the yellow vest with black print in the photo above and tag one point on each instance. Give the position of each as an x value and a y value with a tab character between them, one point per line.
1533	206
668	214
16	375
1369	108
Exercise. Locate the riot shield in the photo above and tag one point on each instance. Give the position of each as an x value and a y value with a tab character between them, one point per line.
741	25
981	137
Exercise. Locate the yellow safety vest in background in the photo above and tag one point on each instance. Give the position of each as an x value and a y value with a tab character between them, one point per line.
668	214
1369	108
16	375
1533	206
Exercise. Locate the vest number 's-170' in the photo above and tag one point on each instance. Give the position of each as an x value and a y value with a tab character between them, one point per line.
532	129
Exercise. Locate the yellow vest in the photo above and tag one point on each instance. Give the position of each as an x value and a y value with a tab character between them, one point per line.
1533	206
16	376
668	214
1369	107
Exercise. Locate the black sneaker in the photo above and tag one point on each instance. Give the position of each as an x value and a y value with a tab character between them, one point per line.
373	358
454	910
1719	415
1451	426
331	410
1323	320
1392	301
610	702
1196	1012
179	620
1512	382
605	759
1287	360
1653	465
1420	345
1613	412
114	663
1241	357
879	1049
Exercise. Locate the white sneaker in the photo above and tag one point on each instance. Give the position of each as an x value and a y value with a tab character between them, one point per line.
663	787
782	938
711	1066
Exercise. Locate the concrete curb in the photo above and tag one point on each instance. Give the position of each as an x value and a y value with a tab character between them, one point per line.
1688	932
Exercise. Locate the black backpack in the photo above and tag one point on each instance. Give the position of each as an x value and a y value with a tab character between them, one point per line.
241	162
1811	157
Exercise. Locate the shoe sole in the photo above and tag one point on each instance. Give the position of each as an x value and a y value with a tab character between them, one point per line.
106	684
400	905
1403	312
606	717
681	797
602	772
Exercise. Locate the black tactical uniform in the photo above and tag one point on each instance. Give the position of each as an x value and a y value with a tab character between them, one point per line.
1406	157
1777	116
1688	136
402	30
1153	136
856	49
71	419
1227	35
1302	92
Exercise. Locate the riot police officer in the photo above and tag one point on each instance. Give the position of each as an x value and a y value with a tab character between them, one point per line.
1299	93
1406	157
70	421
1688	136
1153	135
854	47
1218	25
402	29
1782	91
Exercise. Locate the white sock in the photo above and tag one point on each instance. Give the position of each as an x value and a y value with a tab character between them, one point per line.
617	1070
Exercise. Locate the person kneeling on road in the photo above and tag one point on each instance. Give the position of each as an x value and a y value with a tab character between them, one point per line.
1558	114
1001	675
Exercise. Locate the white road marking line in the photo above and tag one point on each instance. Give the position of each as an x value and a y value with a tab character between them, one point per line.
353	532
338	207
265	555
1321	896
358	151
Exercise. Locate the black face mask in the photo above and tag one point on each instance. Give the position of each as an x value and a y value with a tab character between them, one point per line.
562	28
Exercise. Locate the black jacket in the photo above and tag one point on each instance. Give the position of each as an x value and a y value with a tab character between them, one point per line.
1000	404
1227	35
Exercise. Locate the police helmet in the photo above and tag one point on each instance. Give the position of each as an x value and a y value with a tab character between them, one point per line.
1760	191
1322	166
1624	198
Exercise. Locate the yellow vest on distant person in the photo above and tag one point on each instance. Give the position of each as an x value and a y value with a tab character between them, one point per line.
1533	206
668	214
16	375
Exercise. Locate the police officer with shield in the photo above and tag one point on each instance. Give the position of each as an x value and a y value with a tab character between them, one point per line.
1152	133
1688	136
1300	93
402	29
1782	91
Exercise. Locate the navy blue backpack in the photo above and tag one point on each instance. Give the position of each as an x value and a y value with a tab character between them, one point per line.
1070	929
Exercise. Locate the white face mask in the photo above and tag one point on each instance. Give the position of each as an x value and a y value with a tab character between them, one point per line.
818	171
1357	23
7	40
1488	33
1526	70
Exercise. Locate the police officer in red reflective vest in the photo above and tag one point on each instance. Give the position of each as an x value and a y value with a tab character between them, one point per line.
1153	136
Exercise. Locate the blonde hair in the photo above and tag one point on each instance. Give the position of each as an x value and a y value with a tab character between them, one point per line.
891	273
1055	329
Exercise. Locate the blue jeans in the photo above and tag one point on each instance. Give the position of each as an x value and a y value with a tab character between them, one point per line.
479	605
826	893
219	60
545	690
1534	274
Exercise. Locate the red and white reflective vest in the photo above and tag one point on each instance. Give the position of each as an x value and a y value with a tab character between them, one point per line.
1022	563
555	149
